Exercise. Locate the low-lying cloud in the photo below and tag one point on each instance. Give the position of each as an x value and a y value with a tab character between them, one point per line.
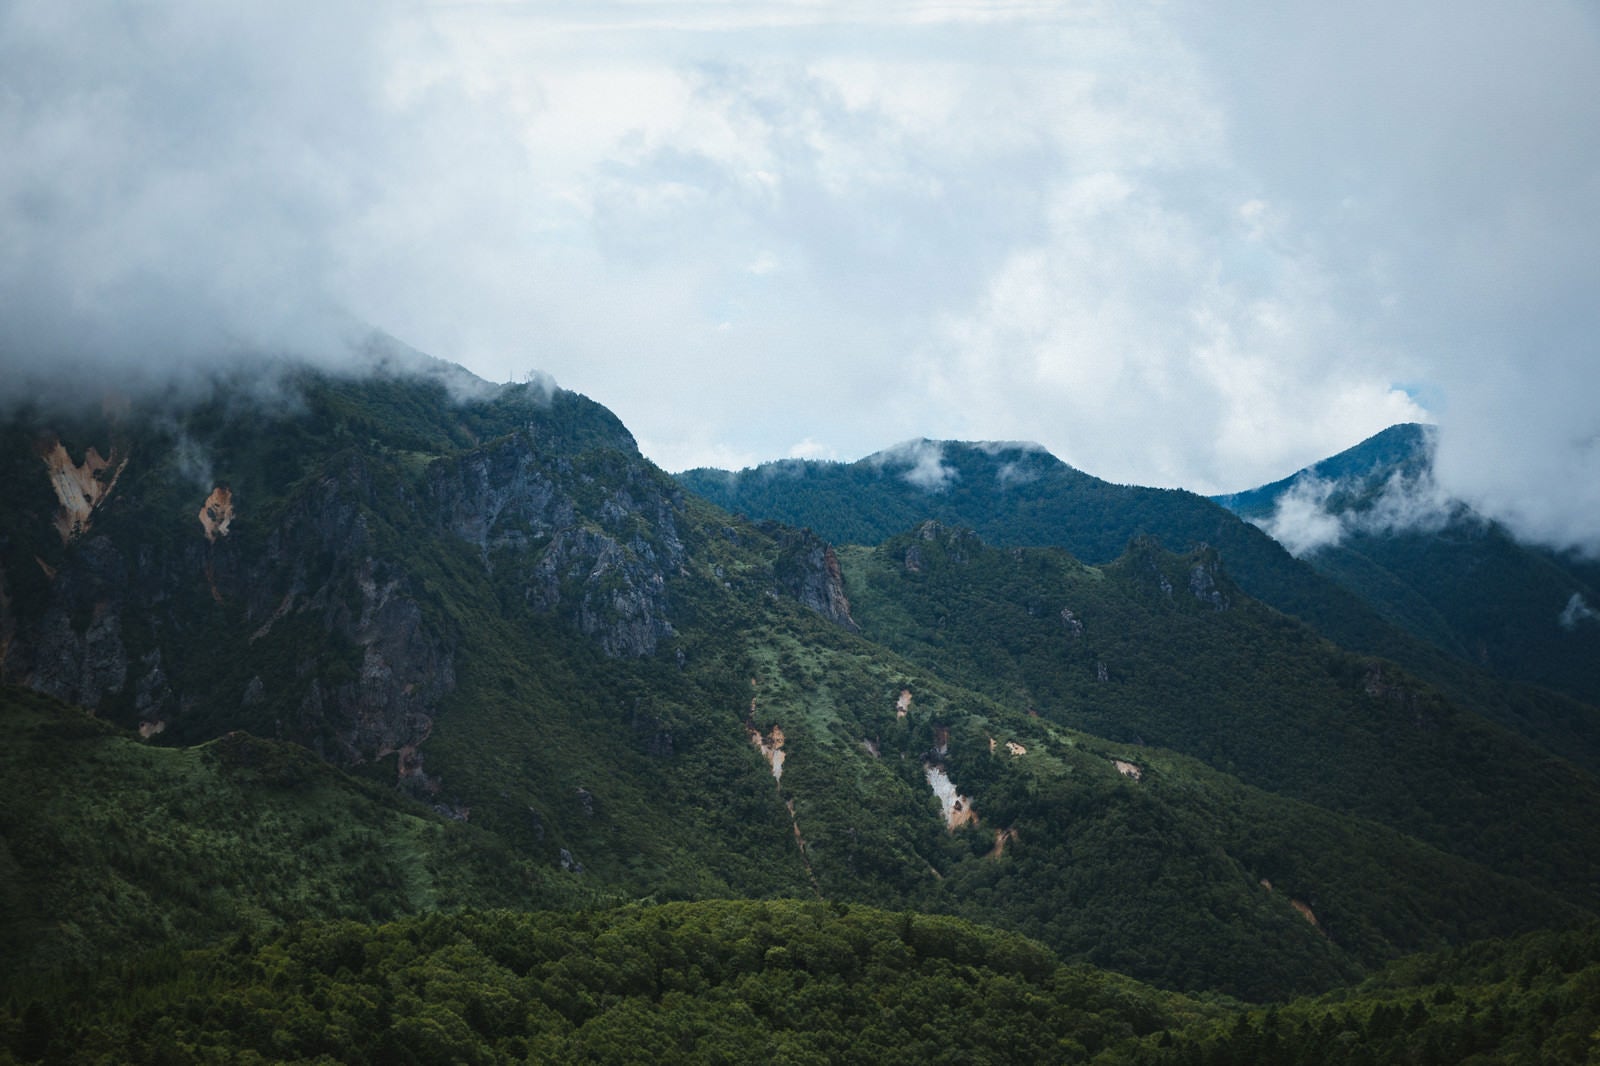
175	177
1317	513
919	463
1577	610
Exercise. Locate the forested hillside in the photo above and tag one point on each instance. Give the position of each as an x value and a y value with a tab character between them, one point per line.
1506	604
1165	650
1021	495
1437	568
737	982
306	674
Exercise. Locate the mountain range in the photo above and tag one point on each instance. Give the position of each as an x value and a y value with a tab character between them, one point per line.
309	659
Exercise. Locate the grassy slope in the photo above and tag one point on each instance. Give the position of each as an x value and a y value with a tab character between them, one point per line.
114	846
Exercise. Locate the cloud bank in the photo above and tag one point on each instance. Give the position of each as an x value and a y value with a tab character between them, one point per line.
1180	245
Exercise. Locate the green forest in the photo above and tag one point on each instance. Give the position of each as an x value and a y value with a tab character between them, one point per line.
475	737
776	981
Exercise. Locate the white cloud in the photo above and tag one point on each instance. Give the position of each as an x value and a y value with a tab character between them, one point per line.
1181	245
1303	522
919	463
811	449
1577	610
1443	160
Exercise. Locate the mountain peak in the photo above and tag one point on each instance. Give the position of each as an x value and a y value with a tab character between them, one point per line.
1405	448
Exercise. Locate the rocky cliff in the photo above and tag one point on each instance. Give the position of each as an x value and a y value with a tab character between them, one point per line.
301	596
807	569
593	539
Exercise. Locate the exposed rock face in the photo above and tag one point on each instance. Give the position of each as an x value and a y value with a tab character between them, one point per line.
593	539
601	557
620	595
771	748
1203	583
364	602
958	543
957	808
153	696
318	568
1307	913
80	487
150	621
216	514
75	650
500	497
807	569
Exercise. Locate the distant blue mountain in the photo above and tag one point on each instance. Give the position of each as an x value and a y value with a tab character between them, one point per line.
1373	519
1405	449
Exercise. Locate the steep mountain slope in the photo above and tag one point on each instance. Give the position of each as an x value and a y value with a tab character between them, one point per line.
487	598
1358	474
1372	519
1165	650
1020	495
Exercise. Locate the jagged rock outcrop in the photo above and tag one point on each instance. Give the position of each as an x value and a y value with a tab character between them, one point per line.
618	595
598	551
500	497
807	569
1204	583
1162	573
958	542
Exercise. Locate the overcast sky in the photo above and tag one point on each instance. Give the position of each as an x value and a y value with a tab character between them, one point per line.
1195	244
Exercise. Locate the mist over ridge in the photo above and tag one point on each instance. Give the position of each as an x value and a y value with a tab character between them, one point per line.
700	217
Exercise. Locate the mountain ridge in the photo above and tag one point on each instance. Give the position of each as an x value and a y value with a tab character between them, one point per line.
488	599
